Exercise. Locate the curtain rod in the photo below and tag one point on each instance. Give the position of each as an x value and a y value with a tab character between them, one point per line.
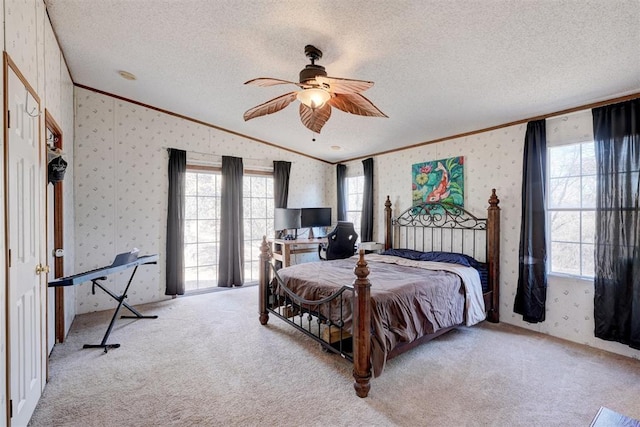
217	155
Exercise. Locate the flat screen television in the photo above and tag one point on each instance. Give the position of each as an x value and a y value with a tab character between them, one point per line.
286	219
315	217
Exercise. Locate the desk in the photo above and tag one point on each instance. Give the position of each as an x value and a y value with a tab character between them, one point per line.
371	247
283	249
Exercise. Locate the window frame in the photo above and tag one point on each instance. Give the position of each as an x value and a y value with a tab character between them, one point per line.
249	260
354	215
253	257
197	169
580	210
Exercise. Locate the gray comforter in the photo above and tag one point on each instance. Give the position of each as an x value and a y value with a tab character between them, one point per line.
407	302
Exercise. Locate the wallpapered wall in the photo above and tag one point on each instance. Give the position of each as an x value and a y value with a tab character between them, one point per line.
494	160
59	103
23	32
31	44
121	185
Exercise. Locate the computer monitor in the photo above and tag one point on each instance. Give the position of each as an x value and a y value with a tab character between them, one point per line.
315	217
286	219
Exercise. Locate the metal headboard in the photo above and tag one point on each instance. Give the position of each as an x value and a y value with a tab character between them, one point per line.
451	228
441	226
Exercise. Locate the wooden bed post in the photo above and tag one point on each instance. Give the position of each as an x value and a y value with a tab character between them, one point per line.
387	224
493	255
263	280
362	328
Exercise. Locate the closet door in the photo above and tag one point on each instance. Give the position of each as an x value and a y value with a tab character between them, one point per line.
25	187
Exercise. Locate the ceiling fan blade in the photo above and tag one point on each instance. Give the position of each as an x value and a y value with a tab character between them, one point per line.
268	81
355	104
315	119
343	86
271	106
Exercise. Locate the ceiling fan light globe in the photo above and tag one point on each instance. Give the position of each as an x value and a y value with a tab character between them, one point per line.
313	97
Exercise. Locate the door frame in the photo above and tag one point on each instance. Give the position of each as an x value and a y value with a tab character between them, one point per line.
58	230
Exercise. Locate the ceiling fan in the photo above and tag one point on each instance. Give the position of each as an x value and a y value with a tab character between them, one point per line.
317	94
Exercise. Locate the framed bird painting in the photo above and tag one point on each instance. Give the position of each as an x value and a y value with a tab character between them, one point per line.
438	181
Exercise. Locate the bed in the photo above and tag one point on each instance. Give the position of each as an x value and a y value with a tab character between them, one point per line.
439	270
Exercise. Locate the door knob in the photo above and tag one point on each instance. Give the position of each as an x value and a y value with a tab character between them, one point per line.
42	269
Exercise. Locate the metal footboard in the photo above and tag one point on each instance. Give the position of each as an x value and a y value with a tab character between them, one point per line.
322	320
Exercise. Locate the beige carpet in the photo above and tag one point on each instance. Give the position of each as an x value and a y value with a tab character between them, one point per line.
207	361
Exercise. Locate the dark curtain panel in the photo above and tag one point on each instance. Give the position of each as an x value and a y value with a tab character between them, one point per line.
341	173
616	131
281	173
231	259
531	294
366	225
175	223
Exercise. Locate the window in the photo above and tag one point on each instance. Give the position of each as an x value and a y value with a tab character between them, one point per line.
258	220
355	188
202	229
571	202
202	225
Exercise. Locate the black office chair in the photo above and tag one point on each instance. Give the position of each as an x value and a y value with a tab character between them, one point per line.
341	242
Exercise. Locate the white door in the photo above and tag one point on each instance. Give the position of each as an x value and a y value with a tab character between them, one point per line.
24	197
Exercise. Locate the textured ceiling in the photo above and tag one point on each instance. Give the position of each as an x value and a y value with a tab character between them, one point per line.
440	68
